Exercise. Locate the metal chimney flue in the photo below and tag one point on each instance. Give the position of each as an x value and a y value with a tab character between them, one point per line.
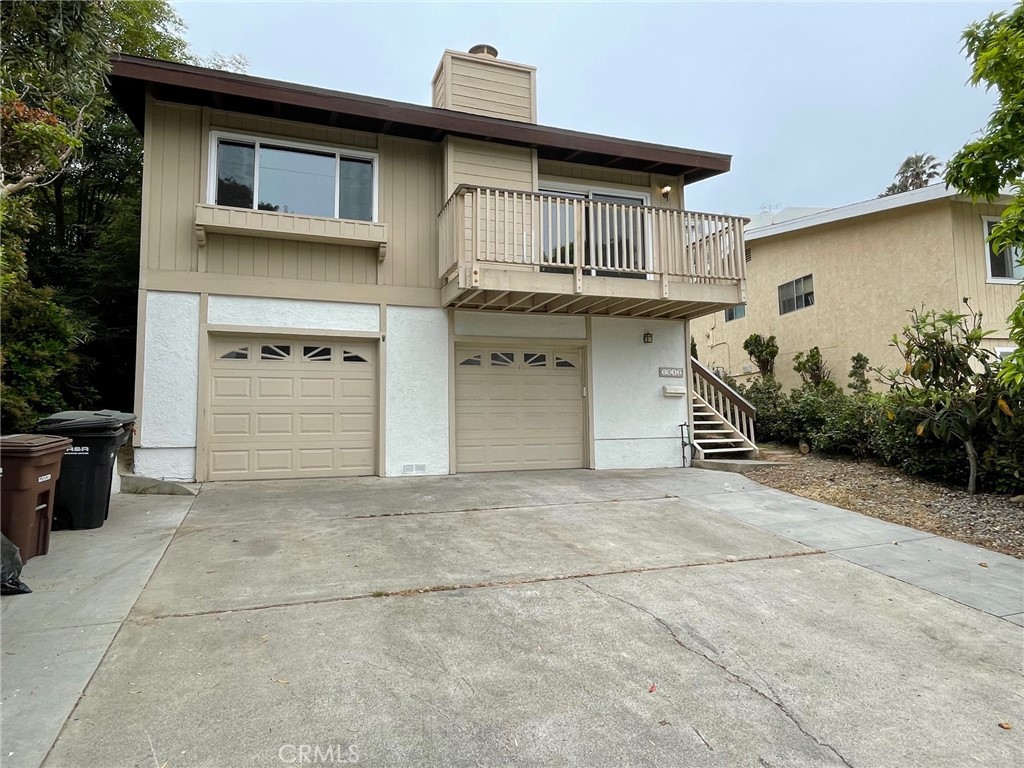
487	51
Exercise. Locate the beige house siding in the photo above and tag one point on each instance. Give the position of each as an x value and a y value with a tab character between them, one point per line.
554	172
171	184
175	180
484	164
970	252
484	86
867	273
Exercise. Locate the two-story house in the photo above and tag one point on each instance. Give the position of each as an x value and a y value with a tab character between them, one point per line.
336	285
843	279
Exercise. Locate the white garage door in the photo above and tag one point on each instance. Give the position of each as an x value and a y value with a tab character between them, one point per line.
518	409
282	408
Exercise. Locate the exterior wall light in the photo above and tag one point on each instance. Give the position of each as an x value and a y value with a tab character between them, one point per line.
665	191
648	338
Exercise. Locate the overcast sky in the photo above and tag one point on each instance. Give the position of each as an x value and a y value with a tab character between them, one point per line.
818	103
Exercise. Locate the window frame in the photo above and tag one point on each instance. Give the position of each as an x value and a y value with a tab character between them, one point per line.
1003	352
586	192
306	146
793	282
742	308
986	225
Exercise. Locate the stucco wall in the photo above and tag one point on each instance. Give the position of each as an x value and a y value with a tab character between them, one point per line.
867	273
417	390
169	385
289	313
635	425
510	325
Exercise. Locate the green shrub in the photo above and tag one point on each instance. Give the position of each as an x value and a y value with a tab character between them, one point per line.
859	383
811	367
846	427
39	339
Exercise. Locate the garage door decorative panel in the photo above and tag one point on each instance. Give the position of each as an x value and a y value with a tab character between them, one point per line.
284	408
518	409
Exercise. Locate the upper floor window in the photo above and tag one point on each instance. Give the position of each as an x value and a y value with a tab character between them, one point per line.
1003	266
273	175
735	313
796	294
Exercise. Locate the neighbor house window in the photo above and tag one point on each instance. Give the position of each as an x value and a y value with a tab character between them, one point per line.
270	175
796	294
1003	266
1004	352
735	313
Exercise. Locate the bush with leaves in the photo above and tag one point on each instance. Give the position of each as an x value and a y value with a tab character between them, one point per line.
949	381
38	345
811	367
763	352
859	383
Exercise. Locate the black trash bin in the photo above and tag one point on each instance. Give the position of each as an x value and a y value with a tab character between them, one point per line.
127	420
83	490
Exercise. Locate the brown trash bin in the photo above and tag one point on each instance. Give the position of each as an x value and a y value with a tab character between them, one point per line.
28	481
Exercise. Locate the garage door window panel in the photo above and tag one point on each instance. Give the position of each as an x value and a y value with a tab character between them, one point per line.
275	352
317	354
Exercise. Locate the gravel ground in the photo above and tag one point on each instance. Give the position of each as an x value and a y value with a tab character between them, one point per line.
986	520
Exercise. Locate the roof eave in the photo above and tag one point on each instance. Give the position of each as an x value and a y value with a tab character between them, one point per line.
131	76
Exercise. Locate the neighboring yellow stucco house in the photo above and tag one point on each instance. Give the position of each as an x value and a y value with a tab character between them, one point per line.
844	279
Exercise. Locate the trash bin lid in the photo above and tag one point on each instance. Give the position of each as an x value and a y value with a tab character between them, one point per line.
123	416
77	421
32	445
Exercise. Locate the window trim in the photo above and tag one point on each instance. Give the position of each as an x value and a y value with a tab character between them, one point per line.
1000	351
321	148
587	192
778	294
985	222
734	318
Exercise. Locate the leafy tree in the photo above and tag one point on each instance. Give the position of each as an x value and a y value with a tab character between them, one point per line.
762	352
77	229
811	367
859	383
995	161
948	383
915	172
51	79
693	348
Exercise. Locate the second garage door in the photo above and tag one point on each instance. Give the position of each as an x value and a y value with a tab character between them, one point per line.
518	409
282	408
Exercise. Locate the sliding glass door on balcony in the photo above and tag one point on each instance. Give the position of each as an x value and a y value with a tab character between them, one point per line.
606	233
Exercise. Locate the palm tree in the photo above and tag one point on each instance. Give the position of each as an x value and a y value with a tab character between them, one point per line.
915	172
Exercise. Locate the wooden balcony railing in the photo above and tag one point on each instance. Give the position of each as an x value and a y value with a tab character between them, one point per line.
727	401
565	234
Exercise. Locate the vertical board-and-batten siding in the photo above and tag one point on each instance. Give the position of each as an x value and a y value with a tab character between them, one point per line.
484	86
175	180
486	164
970	255
171	187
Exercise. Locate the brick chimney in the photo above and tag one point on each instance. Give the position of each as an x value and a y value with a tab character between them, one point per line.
482	84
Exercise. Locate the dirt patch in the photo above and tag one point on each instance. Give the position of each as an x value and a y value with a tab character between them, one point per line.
985	520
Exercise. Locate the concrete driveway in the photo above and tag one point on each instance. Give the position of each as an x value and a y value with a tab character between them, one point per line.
572	618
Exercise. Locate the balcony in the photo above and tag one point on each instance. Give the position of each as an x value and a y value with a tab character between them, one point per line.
512	251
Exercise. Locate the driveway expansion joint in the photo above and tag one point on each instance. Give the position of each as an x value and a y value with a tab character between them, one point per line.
774	699
589	502
413	591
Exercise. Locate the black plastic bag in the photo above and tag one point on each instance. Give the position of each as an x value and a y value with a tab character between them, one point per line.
10	573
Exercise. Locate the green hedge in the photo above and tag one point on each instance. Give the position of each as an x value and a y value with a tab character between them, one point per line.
866	425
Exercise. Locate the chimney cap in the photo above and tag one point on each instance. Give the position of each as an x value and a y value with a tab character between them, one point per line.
483	49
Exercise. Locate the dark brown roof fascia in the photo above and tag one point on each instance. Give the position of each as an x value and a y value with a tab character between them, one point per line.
196	85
